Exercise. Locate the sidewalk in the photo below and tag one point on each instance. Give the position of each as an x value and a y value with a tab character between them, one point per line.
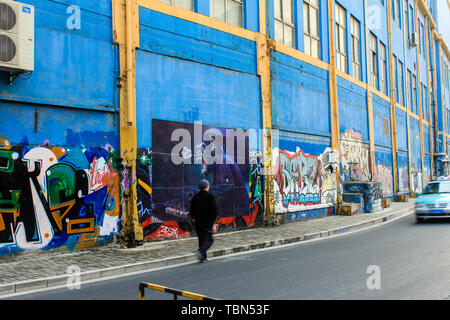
43	269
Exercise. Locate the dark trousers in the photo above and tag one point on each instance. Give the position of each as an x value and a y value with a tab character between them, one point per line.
205	239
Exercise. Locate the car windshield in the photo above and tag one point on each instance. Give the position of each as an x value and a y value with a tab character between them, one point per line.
439	187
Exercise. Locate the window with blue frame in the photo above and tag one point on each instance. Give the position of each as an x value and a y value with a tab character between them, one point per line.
405	19
383	69
396	11
341	38
424	44
401	87
408	90
394	77
415	109
420	40
373	61
229	11
284	22
424	103
356	48
311	27
185	4
411	22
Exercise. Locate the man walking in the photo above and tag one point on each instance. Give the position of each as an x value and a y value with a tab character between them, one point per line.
203	212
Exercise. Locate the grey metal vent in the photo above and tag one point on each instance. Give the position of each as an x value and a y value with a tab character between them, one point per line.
7	49
386	129
8	17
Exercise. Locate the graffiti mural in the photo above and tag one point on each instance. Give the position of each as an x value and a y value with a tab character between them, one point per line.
55	196
354	157
426	174
416	179
403	179
165	189
302	181
383	174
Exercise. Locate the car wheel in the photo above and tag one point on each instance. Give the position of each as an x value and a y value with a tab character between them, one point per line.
420	220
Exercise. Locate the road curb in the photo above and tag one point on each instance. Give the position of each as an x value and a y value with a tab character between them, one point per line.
24	287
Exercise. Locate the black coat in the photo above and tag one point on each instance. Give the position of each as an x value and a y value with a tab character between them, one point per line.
203	209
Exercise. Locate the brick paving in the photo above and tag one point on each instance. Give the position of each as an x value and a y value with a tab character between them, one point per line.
31	266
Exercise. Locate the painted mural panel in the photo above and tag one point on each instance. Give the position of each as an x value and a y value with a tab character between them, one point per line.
383	172
403	172
354	157
56	196
165	188
416	158
426	169
302	181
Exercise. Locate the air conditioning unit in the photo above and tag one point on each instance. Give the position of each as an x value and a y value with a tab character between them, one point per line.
413	40
16	36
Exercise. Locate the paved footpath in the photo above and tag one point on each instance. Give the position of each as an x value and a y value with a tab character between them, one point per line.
35	270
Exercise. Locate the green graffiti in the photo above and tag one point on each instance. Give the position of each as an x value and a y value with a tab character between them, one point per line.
61	184
7	159
11	203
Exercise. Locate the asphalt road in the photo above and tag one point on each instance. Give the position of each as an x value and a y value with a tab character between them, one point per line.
412	261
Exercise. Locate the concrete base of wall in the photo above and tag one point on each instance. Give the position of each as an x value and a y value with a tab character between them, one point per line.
401	198
349	209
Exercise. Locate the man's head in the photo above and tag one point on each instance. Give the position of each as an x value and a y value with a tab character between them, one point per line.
204	185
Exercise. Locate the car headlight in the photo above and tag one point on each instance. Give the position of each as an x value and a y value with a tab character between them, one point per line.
420	205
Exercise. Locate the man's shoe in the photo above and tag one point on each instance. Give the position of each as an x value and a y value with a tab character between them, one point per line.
199	255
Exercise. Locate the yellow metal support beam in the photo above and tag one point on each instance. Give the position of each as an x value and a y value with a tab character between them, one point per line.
393	102
262	17
332	79
419	87
263	47
126	35
334	110
369	91
434	75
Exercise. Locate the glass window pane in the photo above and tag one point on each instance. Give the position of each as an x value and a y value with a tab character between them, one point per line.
353	48
234	13
357	51
288	36
315	48
306	18
342	40
287	11
185	4
218	9
278	31
314	26
278	9
341	16
307	45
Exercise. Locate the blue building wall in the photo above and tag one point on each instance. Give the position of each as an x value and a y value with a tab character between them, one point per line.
61	131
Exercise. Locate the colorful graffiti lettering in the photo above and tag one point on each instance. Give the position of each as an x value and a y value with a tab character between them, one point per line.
354	157
49	196
302	181
383	174
403	179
